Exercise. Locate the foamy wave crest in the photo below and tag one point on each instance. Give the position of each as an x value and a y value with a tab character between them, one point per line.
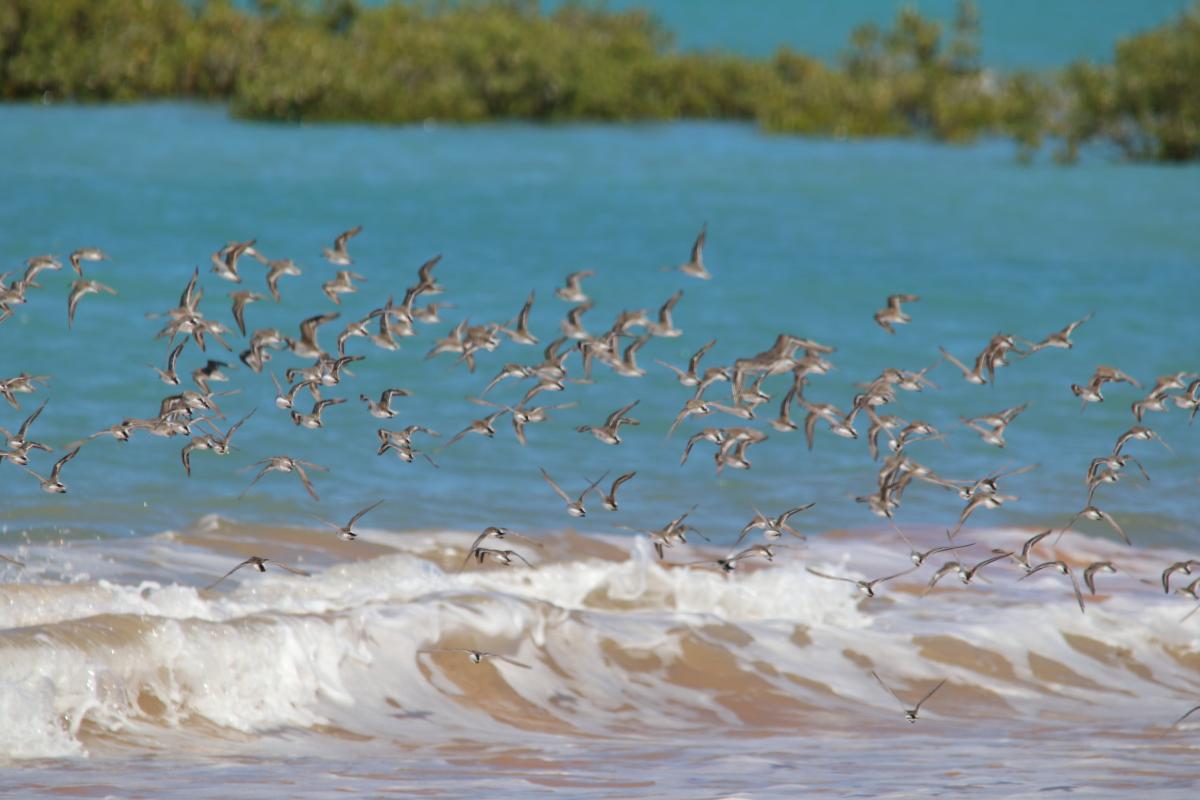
604	640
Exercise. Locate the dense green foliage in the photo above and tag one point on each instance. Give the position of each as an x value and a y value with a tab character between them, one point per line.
505	59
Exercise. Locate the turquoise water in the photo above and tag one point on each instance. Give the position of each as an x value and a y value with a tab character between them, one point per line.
805	236
1016	33
121	674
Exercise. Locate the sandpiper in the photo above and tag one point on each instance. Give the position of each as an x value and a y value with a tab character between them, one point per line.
910	714
346	532
574	506
287	464
339	255
261	565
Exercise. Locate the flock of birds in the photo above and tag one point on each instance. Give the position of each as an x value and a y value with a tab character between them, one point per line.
193	414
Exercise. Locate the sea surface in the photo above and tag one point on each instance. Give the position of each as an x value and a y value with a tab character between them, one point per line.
631	676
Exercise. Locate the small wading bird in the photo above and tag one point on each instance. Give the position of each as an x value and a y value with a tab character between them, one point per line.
910	714
477	656
346	531
892	313
574	506
261	565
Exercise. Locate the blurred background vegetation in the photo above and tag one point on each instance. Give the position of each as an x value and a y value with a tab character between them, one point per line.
400	62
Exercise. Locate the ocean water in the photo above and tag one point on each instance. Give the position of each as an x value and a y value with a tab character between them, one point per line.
1016	34
121	674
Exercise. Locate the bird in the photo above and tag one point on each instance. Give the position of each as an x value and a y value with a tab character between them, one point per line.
261	565
1062	568
892	313
910	714
225	260
1061	339
1023	558
86	254
484	427
478	656
773	527
574	507
53	484
610	431
287	464
276	269
499	534
518	329
346	532
240	301
694	267
307	346
610	499
918	557
573	291
341	283
866	587
1089	573
691	377
1096	515
1138	433
80	288
966	575
339	255
505	557
1186	714
169	376
383	409
665	326
313	420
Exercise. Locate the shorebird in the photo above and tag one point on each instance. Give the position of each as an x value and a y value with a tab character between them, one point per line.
1063	569
240	301
980	500
287	399
1096	515
286	464
974	375
225	260
1138	433
383	409
426	283
910	714
484	427
773	528
21	384
313	420
169	376
341	283
866	587
52	484
1060	339
674	531
1187	714
346	531
80	288
505	557
1185	567
892	314
729	563
339	255
665	326
714	435
918	557
609	432
573	291
261	565
694	267
307	346
572	326
627	366
21	439
518	329
211	371
966	575
1023	557
610	499
86	254
1113	463
941	572
37	265
839	423
12	561
276	269
1089	573
574	507
499	534
478	656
